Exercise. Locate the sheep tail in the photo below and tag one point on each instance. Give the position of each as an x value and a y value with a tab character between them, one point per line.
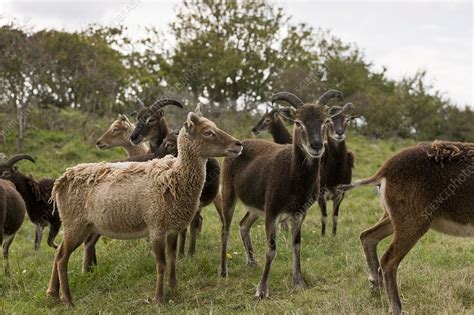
51	201
371	181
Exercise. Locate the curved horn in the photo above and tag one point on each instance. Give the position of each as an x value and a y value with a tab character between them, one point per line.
328	95
164	102
140	102
288	97
17	158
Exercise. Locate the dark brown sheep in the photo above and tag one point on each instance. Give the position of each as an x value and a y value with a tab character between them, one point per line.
276	181
272	122
12	214
336	164
430	185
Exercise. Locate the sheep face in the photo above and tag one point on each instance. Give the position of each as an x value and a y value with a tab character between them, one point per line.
169	146
213	142
151	122
338	121
148	124
8	170
309	125
117	135
265	123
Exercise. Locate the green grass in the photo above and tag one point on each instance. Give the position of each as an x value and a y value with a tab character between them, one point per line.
437	276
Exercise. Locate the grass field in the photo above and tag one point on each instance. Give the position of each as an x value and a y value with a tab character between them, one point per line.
436	277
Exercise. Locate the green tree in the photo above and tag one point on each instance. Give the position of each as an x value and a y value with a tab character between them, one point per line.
19	77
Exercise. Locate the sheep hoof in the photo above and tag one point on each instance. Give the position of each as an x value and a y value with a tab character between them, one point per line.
299	284
252	264
53	294
375	286
262	291
223	273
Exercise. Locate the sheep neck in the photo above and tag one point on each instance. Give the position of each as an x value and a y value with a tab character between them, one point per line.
304	168
160	135
21	183
190	164
337	151
279	132
135	150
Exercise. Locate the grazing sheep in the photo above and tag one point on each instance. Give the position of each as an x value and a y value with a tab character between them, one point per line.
430	185
276	181
36	195
272	122
130	200
118	135
12	214
336	164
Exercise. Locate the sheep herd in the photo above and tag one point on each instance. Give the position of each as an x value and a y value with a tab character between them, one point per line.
169	176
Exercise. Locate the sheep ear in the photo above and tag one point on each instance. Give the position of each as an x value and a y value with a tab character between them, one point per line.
188	126
348	109
287	112
122	117
198	111
190	121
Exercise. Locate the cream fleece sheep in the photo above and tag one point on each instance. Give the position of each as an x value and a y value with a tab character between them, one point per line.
122	199
130	200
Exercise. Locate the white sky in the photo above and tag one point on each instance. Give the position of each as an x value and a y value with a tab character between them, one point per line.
405	36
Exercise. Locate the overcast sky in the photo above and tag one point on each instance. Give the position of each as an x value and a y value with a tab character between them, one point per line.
405	36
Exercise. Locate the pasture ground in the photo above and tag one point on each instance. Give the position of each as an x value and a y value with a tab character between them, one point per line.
437	276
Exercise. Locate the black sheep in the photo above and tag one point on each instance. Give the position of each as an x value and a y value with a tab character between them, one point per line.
36	195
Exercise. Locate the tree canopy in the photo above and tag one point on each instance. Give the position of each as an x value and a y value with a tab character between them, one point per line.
231	55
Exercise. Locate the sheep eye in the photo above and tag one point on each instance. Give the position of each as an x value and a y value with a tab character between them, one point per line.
267	121
208	134
298	124
115	130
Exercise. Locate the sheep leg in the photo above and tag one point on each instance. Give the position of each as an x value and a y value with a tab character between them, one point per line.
324	213
53	289
370	238
298	280
1	240
38	236
6	249
158	246
270	230
89	252
172	244
71	241
336	203
193	229
218	205
406	235
245	225
53	231
228	205
182	242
